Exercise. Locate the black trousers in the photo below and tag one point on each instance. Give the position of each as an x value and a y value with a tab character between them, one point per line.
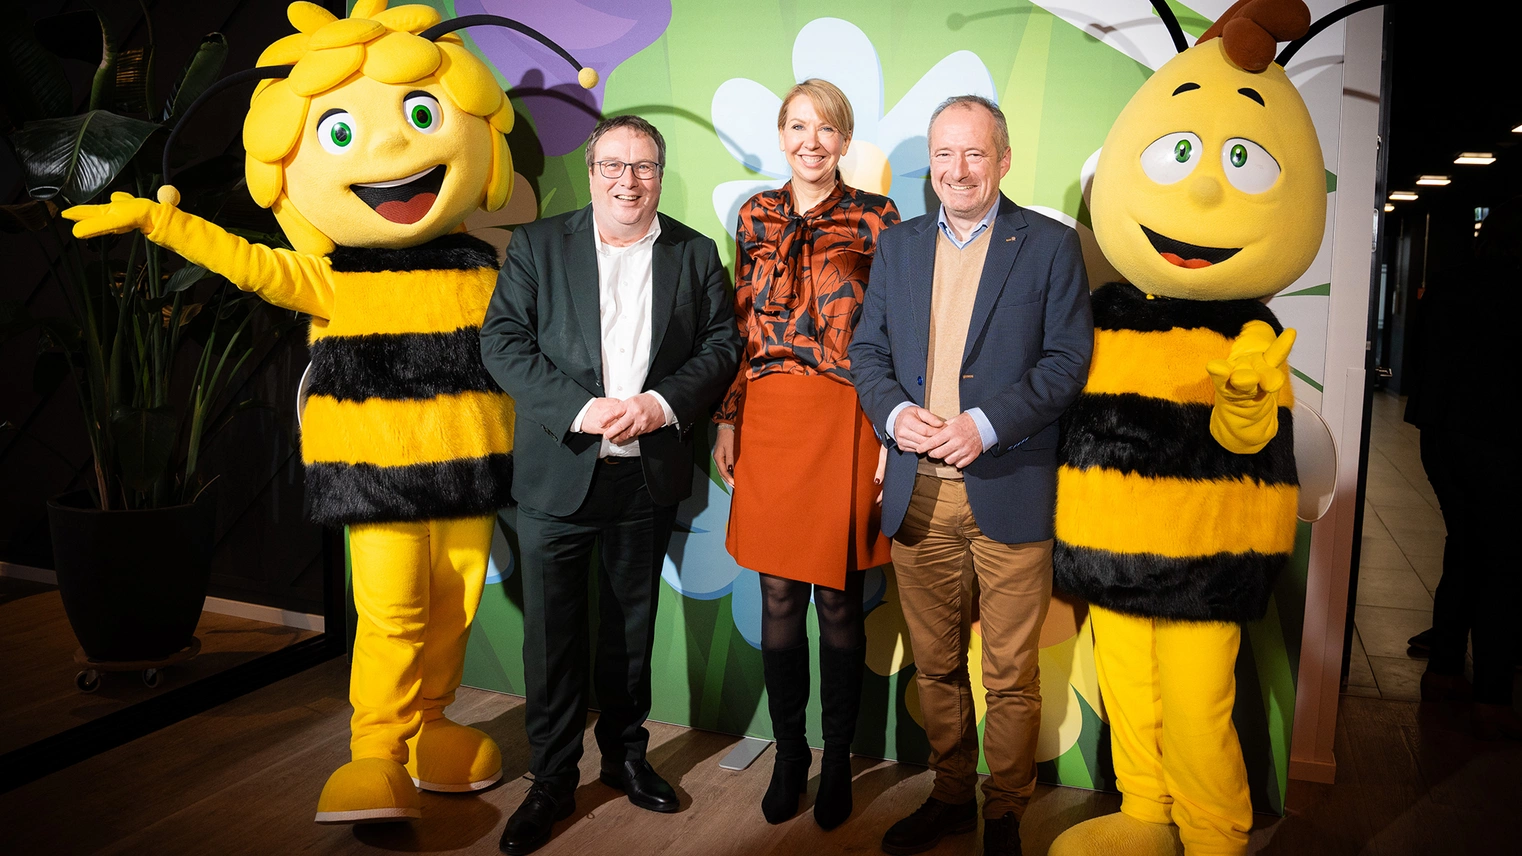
1478	595
630	533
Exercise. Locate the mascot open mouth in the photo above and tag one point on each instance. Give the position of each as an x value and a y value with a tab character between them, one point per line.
404	200
1187	255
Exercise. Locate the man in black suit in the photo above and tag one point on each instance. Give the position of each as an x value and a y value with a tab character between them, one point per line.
612	329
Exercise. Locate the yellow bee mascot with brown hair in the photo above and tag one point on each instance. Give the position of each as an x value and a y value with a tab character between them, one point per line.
1177	487
377	136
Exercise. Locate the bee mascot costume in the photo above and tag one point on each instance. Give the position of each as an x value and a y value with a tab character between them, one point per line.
372	140
1177	488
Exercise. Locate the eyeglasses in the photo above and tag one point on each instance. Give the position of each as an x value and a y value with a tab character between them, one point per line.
644	170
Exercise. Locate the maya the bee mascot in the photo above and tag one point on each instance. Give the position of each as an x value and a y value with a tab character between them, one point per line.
1177	487
377	136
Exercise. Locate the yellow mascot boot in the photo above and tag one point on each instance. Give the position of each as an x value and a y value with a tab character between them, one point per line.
1118	835
368	790
452	758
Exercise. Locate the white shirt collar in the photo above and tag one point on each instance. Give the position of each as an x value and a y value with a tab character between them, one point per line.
610	250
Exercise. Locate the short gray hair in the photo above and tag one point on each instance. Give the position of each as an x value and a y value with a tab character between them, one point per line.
1001	126
634	123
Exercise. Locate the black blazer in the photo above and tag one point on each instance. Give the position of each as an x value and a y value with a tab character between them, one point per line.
542	341
1026	359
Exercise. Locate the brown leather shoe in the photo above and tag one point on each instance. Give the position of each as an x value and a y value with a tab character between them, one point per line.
924	828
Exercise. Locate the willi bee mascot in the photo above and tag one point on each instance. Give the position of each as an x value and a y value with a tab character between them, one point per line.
1177	487
372	141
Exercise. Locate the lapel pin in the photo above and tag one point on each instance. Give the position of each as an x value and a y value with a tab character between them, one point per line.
1011	239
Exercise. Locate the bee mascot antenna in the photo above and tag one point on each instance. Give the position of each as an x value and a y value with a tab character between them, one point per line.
372	138
1177	486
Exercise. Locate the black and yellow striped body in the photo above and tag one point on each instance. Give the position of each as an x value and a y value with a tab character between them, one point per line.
403	422
1154	517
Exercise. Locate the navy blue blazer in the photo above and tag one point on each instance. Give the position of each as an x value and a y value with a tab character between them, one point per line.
1026	359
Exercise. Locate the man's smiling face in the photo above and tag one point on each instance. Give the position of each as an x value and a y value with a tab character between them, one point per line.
625	206
388	165
1211	184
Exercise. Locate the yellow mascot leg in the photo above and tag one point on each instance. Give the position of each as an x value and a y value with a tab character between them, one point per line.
1131	687
391	578
1202	758
447	756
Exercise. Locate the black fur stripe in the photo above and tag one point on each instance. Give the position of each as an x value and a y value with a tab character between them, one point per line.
451	252
1225	587
399	366
340	494
1157	438
1122	306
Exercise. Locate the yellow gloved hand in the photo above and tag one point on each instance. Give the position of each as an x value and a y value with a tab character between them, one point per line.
124	213
1247	384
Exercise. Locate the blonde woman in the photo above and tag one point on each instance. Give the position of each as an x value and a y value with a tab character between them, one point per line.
794	446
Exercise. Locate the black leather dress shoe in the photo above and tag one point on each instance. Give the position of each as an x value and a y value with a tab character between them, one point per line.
924	829
530	826
643	784
1001	835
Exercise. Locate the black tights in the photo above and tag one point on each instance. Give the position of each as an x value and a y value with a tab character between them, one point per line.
785	605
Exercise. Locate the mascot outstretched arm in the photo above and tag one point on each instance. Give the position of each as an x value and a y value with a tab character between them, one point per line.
1177	487
372	141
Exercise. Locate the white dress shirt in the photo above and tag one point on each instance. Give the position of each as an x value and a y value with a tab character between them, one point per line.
623	309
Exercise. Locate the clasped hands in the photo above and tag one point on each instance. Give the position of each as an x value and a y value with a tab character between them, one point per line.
955	441
622	420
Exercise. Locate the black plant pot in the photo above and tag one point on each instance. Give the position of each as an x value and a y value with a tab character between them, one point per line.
133	582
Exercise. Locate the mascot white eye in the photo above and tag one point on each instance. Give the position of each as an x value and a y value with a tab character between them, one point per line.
336	131
1172	157
423	112
1249	167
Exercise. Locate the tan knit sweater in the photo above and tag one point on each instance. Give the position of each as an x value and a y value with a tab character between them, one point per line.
953	292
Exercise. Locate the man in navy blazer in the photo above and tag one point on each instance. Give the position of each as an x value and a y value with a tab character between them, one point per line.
975	336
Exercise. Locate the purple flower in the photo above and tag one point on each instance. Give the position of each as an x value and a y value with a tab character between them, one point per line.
601	34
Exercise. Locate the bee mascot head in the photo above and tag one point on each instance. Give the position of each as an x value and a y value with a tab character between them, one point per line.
409	137
1210	185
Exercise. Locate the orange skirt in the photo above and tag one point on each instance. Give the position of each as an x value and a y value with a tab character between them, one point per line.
804	505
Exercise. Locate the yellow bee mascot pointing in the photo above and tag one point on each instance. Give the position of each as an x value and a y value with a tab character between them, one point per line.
377	136
1177	487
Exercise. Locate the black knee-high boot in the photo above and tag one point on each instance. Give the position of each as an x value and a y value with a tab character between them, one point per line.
840	672
787	698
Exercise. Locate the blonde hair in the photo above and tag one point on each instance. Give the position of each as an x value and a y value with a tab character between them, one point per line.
383	45
829	102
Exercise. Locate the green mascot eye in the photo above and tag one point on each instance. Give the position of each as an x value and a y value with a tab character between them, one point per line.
422	111
337	131
1249	167
1182	150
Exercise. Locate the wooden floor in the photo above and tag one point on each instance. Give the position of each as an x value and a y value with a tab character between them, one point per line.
244	778
37	693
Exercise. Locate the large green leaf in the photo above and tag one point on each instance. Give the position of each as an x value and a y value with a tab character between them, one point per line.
184	278
202	71
35	86
144	444
75	157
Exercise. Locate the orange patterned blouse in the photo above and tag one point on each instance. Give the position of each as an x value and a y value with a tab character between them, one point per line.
799	283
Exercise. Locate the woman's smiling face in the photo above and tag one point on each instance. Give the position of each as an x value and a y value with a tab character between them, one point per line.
813	146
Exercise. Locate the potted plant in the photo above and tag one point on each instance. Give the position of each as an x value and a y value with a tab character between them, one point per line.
149	353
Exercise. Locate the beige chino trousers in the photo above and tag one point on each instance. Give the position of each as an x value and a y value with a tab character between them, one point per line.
944	562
